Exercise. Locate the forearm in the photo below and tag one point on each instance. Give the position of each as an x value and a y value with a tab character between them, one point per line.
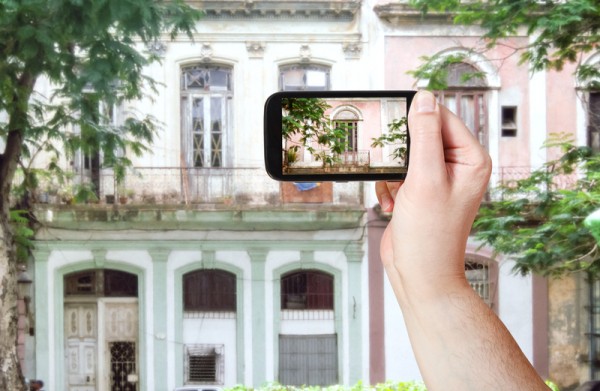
460	344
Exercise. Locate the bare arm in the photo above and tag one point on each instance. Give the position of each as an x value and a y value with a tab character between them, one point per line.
459	343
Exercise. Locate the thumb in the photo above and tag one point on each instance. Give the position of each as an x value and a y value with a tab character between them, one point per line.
426	159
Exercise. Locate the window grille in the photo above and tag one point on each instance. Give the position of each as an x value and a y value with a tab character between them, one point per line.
478	277
204	364
307	290
310	360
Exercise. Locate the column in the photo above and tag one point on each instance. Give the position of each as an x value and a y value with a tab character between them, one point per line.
354	256
160	364
259	370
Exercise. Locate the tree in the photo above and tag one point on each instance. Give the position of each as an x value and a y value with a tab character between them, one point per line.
537	220
564	32
92	53
305	118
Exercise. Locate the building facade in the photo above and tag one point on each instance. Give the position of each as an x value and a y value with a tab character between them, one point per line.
213	273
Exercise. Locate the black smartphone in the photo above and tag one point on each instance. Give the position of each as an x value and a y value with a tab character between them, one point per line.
316	136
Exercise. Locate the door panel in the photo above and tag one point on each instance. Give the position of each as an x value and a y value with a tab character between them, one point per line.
81	346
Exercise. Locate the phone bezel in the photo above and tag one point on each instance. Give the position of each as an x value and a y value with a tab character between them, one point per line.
273	135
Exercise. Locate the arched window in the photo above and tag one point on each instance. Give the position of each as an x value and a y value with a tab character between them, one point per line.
209	290
304	77
101	283
307	290
466	97
206	91
348	120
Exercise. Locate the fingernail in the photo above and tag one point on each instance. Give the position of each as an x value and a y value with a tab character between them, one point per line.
386	203
424	102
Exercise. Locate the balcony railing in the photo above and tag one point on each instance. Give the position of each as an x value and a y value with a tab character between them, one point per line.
189	186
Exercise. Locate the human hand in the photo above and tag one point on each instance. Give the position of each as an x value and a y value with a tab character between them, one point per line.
423	247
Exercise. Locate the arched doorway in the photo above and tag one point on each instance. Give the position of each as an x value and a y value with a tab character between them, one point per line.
101	330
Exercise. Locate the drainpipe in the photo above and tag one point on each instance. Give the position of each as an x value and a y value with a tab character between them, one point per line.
592	222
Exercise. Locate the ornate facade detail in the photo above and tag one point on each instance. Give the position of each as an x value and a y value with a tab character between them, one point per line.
352	50
157	48
305	53
398	13
296	9
255	49
206	52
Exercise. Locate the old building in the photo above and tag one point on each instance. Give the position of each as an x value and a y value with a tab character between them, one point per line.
213	273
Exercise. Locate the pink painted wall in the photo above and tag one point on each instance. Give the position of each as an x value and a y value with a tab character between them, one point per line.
403	54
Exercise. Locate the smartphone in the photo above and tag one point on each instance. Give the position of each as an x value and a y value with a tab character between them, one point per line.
316	136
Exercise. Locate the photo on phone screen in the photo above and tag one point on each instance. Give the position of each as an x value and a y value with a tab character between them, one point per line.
337	135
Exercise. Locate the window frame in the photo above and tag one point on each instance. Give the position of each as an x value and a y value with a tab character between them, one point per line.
206	148
304	297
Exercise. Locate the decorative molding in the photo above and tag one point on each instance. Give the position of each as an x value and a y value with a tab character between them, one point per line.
290	9
99	256
158	48
398	13
305	53
255	49
354	252
352	50
206	52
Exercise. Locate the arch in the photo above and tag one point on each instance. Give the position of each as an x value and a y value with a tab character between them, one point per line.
178	310
475	60
353	113
59	274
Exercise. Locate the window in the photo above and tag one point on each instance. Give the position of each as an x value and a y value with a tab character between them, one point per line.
101	283
304	77
348	121
509	121
466	97
482	275
206	92
204	364
308	360
307	290
594	121
209	290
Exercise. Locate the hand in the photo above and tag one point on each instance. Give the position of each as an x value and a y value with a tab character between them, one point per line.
433	210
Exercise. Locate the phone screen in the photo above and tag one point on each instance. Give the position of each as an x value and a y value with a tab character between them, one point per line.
337	135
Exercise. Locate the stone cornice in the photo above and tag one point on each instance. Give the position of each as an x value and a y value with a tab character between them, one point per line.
327	9
397	13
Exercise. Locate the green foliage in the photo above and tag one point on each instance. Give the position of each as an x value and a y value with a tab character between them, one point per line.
22	233
92	54
396	137
539	220
306	117
563	31
552	386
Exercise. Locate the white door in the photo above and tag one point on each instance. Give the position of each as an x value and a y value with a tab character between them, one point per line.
81	339
101	345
